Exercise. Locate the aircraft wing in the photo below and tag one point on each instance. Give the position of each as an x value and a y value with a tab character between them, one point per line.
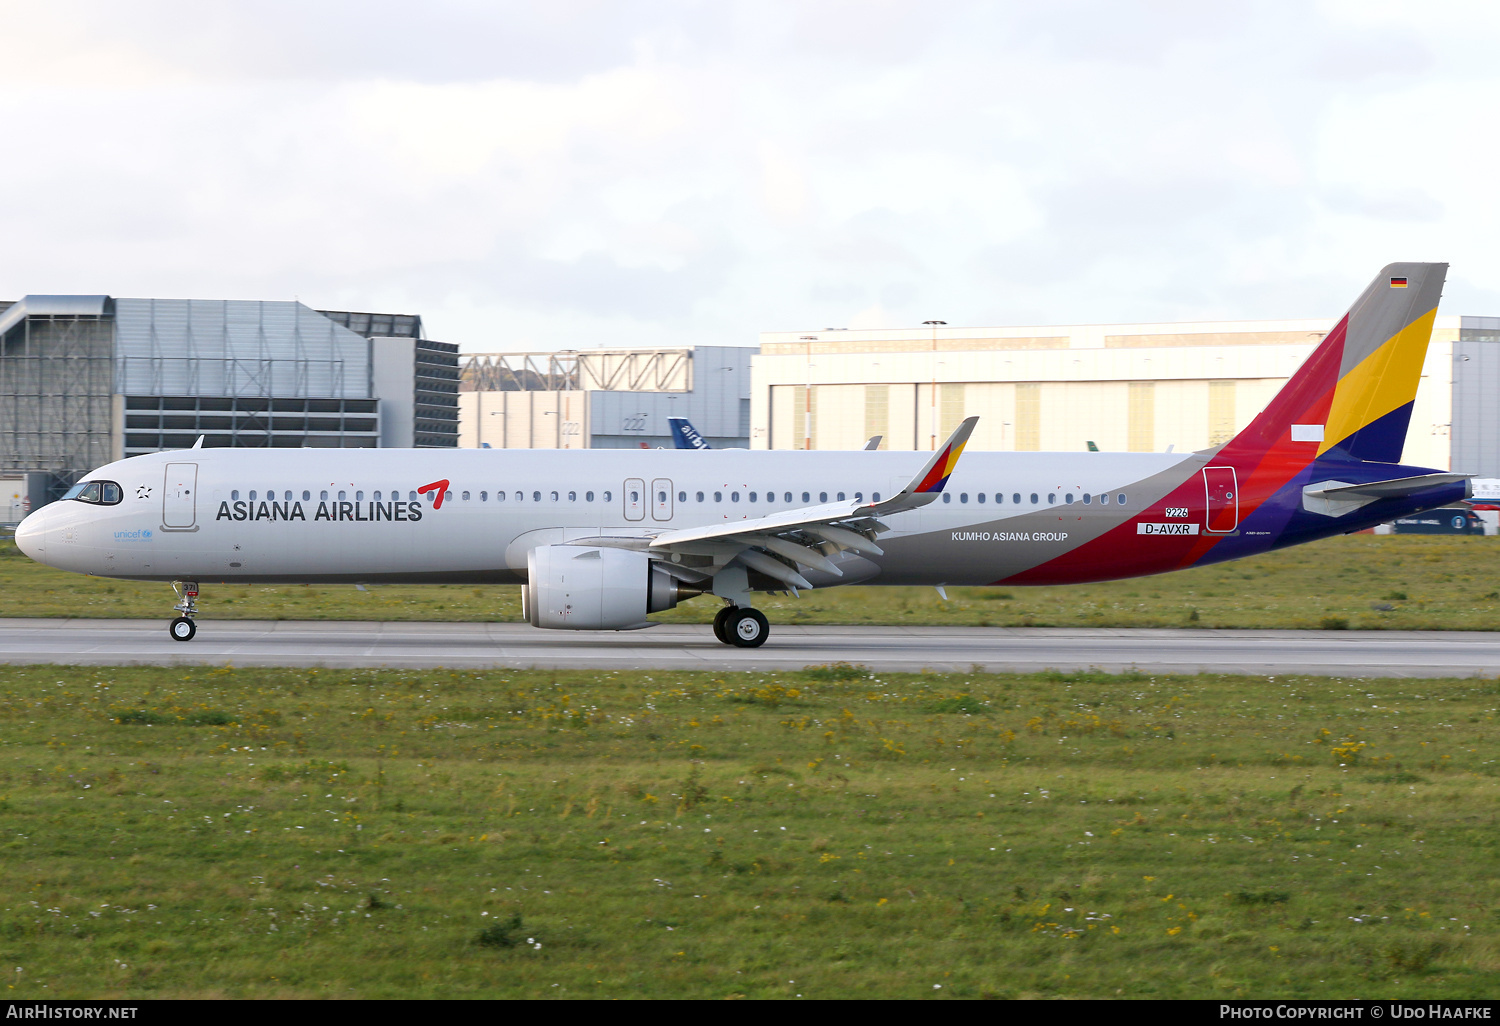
775	544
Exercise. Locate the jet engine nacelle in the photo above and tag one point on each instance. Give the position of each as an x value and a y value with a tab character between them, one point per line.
595	588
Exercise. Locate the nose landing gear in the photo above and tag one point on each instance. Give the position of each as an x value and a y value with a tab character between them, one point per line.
183	628
741	626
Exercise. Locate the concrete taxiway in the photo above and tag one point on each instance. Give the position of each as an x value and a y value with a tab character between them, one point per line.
690	647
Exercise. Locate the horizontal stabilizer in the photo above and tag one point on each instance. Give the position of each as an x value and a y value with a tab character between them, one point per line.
1335	498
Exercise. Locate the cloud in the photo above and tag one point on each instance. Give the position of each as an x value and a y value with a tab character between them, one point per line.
620	172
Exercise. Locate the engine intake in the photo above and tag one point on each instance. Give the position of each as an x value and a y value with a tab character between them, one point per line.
594	588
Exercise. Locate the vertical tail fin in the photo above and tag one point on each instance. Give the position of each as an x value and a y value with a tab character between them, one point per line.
1352	398
685	436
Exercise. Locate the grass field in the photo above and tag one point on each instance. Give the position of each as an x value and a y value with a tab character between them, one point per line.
1363	582
279	833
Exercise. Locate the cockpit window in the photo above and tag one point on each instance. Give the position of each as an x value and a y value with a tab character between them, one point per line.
99	493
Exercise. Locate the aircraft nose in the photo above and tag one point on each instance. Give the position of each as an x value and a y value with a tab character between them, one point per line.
31	536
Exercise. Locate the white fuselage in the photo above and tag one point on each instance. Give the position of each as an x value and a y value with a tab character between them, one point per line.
356	515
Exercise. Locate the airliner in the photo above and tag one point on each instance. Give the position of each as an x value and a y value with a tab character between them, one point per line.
601	539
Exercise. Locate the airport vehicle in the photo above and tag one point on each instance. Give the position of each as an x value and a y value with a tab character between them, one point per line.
602	538
685	436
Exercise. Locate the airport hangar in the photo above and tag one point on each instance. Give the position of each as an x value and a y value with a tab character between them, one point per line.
1123	387
85	380
88	379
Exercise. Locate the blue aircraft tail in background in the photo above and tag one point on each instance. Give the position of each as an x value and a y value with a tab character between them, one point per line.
685	436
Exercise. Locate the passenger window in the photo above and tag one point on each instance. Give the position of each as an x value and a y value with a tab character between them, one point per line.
979	496
1068	498
700	496
322	496
875	497
1087	498
520	496
360	496
306	495
410	496
236	494
859	496
1051	498
806	497
963	496
466	496
682	496
1103	499
947	496
734	496
841	496
252	494
718	496
536	496
554	496
788	497
448	496
483	496
822	496
572	496
635	496
588	496
377	496
1033	498
607	496
752	496
1121	498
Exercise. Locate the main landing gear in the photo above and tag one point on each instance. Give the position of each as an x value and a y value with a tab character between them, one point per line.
741	627
183	628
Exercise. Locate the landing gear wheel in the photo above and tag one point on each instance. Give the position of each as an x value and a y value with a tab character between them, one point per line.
721	624
182	629
748	628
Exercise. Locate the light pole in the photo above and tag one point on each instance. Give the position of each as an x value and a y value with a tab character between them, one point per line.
933	413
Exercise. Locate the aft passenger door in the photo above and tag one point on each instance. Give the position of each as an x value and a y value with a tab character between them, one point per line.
179	498
1223	510
661	499
634	494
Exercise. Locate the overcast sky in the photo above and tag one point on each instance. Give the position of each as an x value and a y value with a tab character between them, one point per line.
555	174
